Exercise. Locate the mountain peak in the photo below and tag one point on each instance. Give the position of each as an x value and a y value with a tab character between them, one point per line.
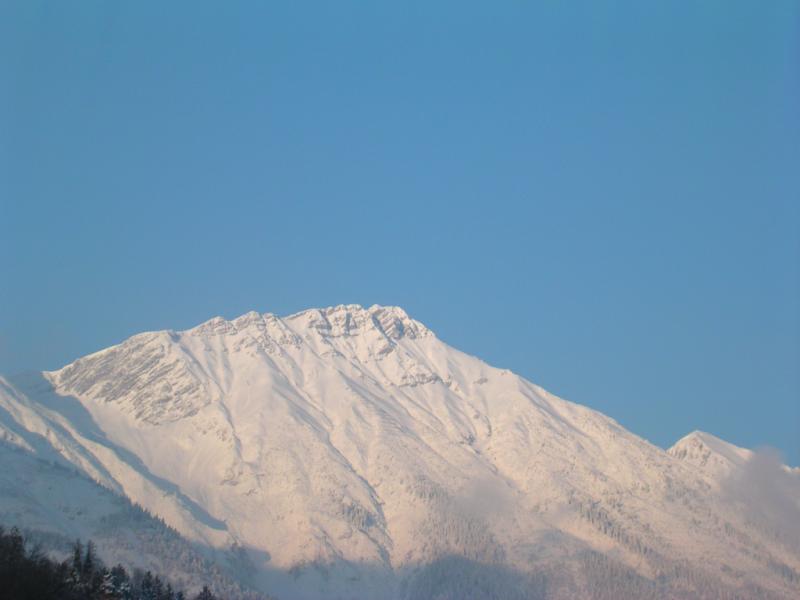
710	452
331	321
350	319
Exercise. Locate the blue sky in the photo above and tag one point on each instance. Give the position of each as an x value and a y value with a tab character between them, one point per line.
601	196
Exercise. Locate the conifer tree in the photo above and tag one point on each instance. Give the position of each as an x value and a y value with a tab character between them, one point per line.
205	594
148	587
77	564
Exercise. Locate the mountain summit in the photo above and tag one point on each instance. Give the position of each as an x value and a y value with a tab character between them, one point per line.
348	452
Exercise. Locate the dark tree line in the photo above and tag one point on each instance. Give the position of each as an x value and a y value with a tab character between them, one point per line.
28	574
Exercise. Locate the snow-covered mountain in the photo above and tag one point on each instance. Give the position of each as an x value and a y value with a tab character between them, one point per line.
348	452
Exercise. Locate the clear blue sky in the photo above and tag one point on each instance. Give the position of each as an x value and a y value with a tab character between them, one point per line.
601	196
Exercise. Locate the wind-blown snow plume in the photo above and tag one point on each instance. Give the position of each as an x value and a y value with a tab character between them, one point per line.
769	493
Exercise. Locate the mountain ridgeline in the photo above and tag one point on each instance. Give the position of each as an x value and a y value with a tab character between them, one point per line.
347	452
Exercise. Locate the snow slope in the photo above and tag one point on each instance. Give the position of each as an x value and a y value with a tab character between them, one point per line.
55	505
348	452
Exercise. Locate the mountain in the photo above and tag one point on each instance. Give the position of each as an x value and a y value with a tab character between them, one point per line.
347	452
